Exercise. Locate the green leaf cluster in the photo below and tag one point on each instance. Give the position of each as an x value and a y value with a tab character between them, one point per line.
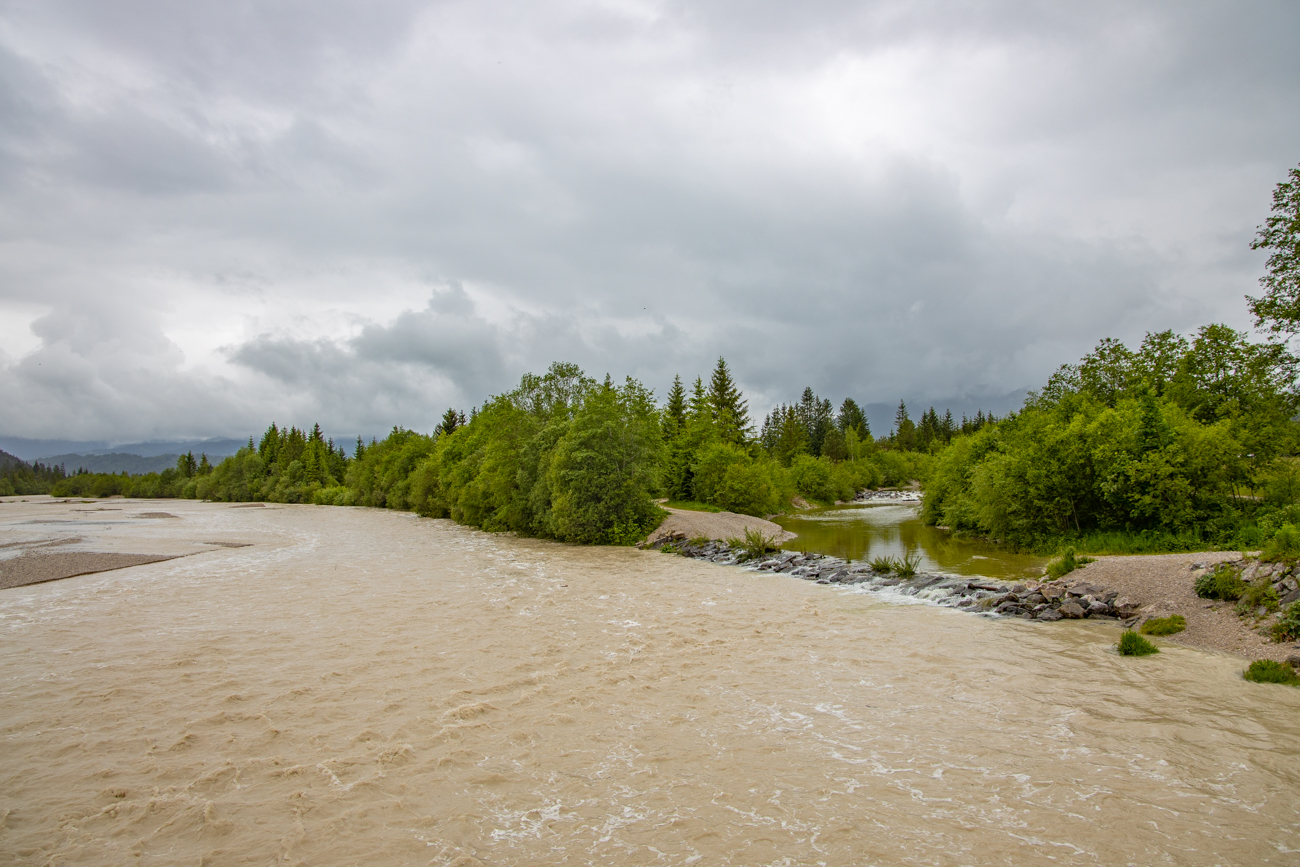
1168	440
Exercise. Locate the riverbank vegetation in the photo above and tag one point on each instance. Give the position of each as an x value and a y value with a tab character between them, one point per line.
567	457
1176	444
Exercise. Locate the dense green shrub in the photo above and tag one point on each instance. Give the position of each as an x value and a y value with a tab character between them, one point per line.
1171	625
1132	644
1221	582
1268	671
1285	544
1162	441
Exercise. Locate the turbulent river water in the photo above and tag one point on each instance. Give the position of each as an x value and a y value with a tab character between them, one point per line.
365	687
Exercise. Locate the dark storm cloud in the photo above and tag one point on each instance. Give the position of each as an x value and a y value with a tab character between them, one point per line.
216	214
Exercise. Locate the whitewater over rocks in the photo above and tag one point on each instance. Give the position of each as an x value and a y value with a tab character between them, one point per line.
1044	601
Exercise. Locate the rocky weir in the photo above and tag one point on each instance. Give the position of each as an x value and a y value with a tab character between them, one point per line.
1045	601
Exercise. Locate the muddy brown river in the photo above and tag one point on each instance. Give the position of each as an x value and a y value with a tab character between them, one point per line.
359	686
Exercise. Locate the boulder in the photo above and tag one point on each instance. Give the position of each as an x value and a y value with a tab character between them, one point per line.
1047	615
1051	592
1073	610
1293	596
1293	660
1126	607
1098	607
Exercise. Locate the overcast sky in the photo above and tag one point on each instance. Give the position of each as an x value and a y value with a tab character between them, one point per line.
217	214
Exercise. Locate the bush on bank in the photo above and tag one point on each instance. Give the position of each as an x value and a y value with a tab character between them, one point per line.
1179	445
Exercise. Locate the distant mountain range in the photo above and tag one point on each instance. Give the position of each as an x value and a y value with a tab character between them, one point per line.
113	463
45	450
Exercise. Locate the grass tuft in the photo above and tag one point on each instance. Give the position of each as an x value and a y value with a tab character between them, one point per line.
1268	671
904	567
1171	625
755	544
1132	644
1066	564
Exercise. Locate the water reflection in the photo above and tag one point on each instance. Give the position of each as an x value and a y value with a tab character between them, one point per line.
861	532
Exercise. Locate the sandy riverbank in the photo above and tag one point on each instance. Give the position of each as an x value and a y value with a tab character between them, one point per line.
714	525
1164	584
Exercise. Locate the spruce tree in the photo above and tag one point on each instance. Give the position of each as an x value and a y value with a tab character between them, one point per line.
674	418
729	408
852	417
904	429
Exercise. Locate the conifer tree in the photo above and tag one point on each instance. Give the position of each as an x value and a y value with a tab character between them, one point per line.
674	417
904	437
852	417
451	420
729	409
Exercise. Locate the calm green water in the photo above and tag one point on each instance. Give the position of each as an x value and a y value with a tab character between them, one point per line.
860	532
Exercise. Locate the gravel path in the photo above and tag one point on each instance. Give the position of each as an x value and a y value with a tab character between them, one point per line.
1163	583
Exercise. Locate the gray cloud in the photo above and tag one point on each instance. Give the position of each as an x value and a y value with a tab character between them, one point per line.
218	214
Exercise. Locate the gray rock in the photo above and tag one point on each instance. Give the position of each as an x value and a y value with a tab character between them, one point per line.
1293	596
1034	598
1126	607
1073	610
1098	607
1293	660
1048	615
1051	592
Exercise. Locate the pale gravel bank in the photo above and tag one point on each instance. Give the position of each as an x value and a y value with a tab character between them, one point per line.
1164	584
714	525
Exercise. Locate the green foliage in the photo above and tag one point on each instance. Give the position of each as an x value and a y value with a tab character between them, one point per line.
812	478
1268	671
18	478
1278	308
1285	544
755	544
605	467
1132	644
1258	594
1066	564
1160	443
1221	582
693	506
1287	626
1171	625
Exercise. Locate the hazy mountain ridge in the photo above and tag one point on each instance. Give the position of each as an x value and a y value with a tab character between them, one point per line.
44	450
115	462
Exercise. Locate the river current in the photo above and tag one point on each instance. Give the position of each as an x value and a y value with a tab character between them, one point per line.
360	686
